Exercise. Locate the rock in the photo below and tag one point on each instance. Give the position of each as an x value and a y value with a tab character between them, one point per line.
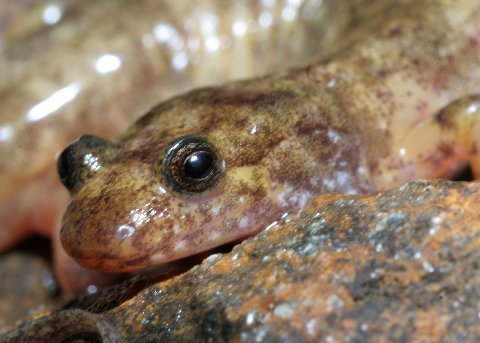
399	266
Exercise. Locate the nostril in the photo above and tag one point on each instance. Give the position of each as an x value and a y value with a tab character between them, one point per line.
82	159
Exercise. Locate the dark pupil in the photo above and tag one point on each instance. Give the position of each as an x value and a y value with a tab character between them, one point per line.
199	165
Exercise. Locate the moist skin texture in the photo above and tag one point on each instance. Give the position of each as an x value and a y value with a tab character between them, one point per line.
393	105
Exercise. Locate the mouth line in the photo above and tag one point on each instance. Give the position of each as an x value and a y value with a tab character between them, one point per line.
145	265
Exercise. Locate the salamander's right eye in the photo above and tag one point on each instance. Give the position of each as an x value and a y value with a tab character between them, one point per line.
82	159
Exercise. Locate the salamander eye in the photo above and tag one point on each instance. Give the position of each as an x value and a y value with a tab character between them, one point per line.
82	159
191	165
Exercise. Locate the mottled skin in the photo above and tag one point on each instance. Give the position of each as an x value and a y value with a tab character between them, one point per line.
367	118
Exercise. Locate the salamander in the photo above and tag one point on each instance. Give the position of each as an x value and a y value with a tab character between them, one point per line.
397	102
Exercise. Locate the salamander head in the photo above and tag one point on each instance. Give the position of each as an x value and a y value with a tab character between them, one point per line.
179	182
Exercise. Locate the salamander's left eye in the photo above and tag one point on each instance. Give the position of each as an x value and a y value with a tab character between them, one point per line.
191	165
82	159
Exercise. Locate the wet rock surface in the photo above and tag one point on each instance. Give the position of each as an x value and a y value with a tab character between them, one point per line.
397	266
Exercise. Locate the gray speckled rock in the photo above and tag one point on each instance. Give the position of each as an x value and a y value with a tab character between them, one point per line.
396	266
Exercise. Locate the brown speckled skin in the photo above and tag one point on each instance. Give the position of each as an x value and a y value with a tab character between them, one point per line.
337	125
